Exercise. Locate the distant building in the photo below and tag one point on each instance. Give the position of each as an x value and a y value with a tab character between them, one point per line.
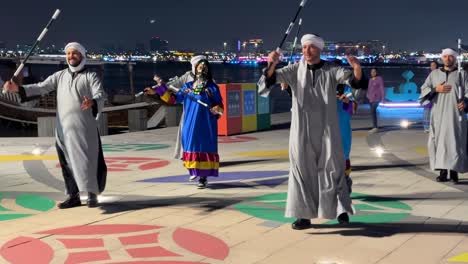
368	47
140	48
234	46
158	44
252	46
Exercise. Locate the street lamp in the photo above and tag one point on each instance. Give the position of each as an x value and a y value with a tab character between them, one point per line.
256	49
224	44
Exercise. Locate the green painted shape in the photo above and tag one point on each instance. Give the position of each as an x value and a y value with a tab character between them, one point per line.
6	217
270	197
381	201
263	213
373	218
35	202
460	258
366	207
268	211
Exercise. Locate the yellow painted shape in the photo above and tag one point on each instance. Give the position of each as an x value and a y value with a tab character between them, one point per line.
273	153
9	158
421	151
460	258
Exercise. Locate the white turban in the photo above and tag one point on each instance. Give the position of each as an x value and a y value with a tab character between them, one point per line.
78	47
195	60
314	40
449	52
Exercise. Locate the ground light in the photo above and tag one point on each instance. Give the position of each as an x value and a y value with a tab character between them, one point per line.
379	151
405	123
101	198
37	150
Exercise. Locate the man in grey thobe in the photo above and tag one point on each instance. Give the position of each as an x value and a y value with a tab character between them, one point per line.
317	186
80	99
447	144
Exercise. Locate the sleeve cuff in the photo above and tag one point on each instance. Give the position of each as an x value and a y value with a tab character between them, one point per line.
22	94
269	81
95	108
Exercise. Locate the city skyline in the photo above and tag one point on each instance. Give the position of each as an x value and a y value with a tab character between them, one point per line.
207	24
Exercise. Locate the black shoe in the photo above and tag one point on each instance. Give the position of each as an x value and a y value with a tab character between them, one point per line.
454	176
442	176
70	202
301	224
343	218
92	200
202	183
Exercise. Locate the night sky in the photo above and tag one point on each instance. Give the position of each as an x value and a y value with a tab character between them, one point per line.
206	24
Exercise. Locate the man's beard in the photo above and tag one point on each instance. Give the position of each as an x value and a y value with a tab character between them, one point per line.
451	65
77	62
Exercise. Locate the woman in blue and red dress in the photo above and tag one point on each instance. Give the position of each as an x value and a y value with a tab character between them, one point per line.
200	130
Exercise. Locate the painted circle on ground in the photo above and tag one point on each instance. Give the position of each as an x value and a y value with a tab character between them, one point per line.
235	139
25	205
236	178
369	209
127	164
141	244
132	147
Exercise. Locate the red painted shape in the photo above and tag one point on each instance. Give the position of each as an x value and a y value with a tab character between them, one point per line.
154	165
160	262
151	252
27	250
141	239
98	230
201	244
82	257
82	243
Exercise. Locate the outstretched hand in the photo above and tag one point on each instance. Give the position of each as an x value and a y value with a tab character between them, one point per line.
461	106
353	61
10	87
87	103
149	91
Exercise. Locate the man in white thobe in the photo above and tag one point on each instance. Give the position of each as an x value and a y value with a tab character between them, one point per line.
317	187
447	145
80	99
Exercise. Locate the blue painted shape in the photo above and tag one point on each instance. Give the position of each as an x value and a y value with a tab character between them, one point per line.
223	176
272	182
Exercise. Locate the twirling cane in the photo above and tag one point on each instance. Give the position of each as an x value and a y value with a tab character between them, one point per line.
41	36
